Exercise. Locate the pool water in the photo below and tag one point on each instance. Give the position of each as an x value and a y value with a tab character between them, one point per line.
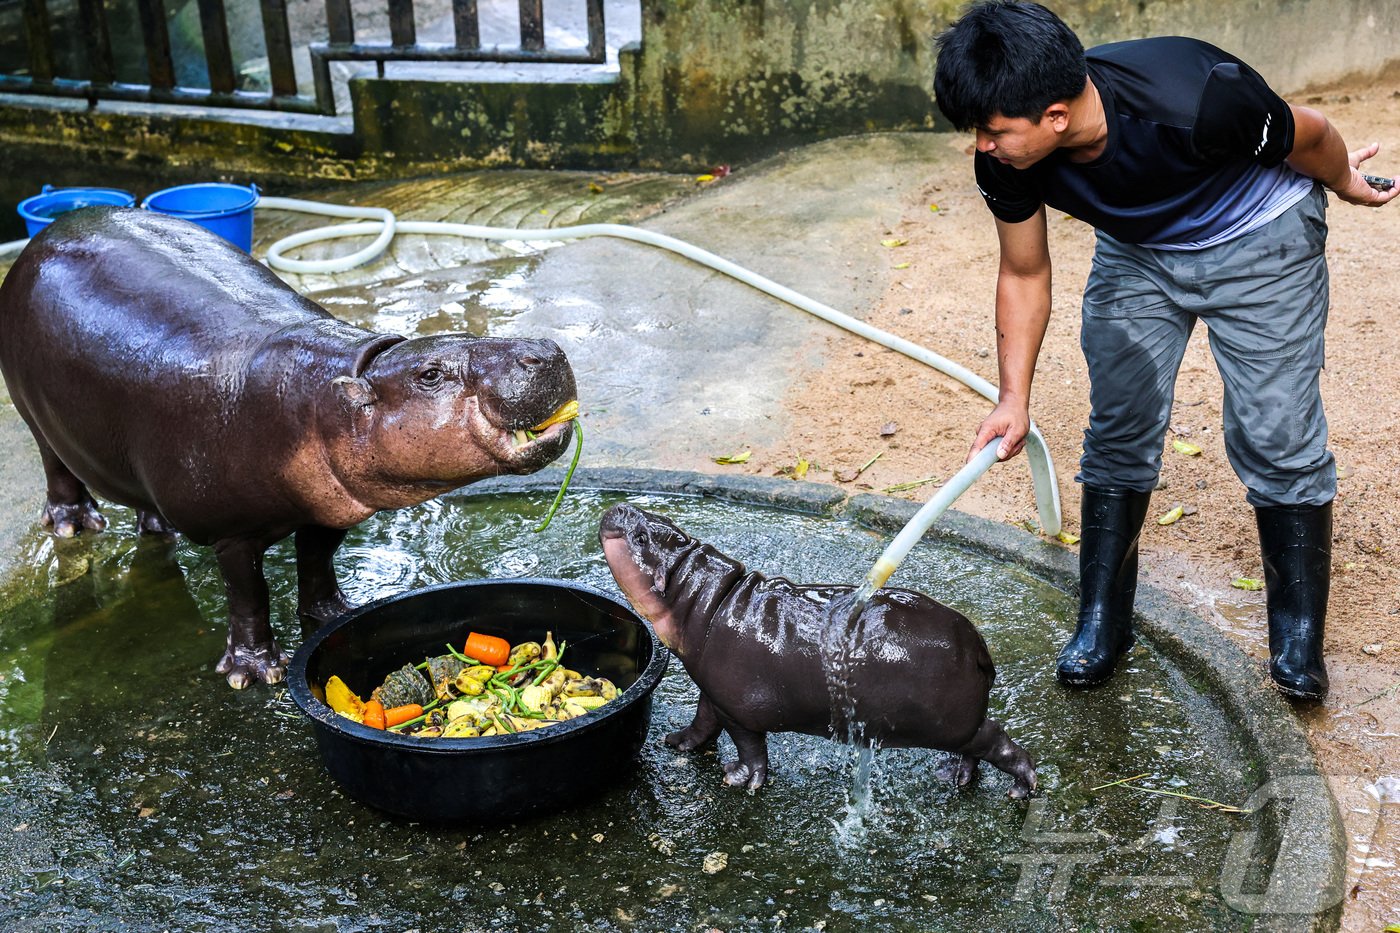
139	792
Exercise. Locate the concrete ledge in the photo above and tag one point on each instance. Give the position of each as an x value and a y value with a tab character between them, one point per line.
1311	842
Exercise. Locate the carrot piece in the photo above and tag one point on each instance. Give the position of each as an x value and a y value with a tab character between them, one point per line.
488	649
374	714
502	668
397	715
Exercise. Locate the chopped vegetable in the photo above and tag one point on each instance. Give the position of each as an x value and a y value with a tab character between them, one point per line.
1247	583
1172	516
566	412
402	714
1185	447
741	457
531	690
374	715
488	649
343	700
568	475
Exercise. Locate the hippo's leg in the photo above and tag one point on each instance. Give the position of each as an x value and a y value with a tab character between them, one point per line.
153	523
992	745
70	507
251	654
319	598
750	770
703	729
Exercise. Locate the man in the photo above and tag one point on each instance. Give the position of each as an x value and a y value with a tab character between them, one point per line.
1205	188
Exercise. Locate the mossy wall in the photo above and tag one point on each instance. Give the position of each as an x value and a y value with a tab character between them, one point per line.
712	81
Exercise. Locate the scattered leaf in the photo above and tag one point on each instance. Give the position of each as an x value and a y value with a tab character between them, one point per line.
892	243
741	457
1185	447
901	265
1171	517
795	471
1247	583
934	208
845	476
704	179
1373	650
905	487
1067	538
146	812
598	837
888	429
594	188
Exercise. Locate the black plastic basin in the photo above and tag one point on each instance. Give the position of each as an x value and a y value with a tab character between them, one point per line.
491	778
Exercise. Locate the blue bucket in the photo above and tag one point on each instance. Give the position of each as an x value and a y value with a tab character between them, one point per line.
225	209
39	211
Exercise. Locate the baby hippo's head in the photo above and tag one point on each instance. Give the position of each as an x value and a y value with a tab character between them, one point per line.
641	549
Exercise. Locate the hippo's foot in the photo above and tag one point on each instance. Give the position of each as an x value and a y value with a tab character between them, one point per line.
743	774
314	615
690	738
68	518
992	745
153	523
242	665
702	730
961	770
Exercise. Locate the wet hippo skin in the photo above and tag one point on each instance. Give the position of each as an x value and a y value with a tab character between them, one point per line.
162	368
917	677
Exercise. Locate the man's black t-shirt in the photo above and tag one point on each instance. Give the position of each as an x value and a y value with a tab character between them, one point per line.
1196	143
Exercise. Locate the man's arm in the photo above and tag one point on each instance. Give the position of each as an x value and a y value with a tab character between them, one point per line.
1022	313
1319	152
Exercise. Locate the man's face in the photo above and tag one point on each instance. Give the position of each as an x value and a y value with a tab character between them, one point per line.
1018	141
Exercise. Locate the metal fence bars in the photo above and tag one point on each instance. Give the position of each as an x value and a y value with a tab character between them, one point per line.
404	47
102	82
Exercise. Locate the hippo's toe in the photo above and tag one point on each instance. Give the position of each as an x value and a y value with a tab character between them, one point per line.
68	518
242	666
739	774
961	770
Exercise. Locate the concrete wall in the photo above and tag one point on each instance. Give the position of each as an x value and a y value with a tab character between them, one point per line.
712	81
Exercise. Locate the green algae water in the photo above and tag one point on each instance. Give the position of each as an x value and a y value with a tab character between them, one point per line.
138	792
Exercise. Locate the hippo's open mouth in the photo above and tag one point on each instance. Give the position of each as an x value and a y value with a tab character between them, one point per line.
513	448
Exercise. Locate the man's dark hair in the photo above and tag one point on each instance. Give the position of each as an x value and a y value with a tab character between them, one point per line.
1008	57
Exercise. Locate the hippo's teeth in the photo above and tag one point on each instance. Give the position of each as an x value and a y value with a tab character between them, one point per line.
520	439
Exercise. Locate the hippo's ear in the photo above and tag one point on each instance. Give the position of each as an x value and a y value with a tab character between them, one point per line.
356	393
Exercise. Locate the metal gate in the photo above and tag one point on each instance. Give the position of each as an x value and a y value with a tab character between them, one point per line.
97	76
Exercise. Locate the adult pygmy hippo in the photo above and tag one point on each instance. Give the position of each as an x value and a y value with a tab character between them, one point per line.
165	369
918	676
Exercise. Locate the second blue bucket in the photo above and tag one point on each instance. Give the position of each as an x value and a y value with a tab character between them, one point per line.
225	209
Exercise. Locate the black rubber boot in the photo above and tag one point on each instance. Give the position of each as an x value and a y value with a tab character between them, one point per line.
1296	542
1111	520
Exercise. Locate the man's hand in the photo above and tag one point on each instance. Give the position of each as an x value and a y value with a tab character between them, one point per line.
1358	189
1011	420
1318	152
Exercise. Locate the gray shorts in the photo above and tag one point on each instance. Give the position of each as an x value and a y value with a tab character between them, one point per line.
1264	300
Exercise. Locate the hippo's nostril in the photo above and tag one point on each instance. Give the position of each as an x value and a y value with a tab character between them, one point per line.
529	362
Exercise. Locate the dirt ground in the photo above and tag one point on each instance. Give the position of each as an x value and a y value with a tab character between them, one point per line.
941	297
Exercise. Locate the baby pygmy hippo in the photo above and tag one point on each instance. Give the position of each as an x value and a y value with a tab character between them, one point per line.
917	677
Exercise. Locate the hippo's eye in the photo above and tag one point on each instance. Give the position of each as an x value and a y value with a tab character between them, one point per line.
430	377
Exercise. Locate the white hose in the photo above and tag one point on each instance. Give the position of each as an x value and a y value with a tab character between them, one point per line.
1047	490
923	519
14	246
